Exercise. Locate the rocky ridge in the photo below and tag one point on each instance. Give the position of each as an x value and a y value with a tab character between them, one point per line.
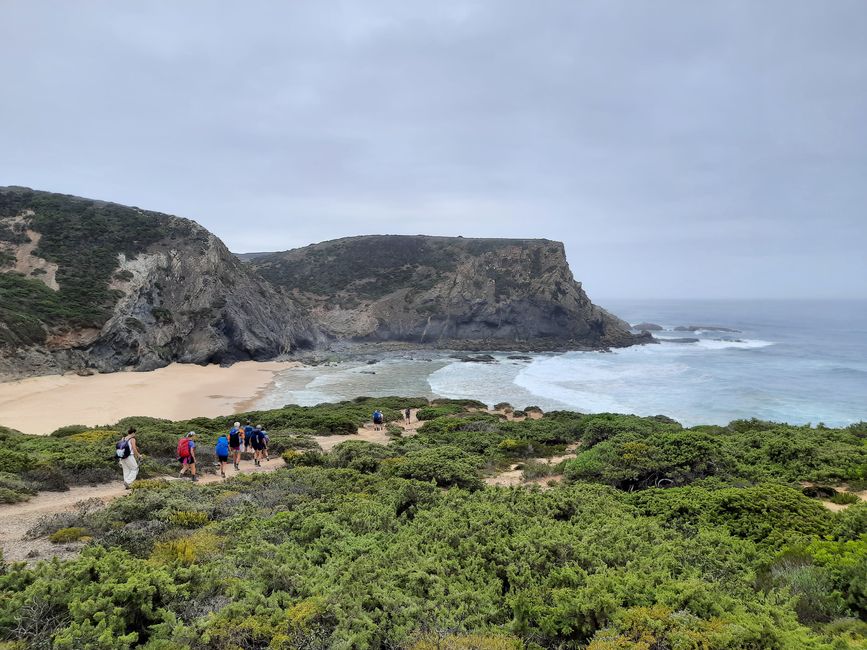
109	287
93	286
447	292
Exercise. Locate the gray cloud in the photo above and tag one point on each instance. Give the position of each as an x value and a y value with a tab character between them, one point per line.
679	149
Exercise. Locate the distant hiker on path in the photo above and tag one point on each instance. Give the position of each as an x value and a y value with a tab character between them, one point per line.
236	441
407	415
222	451
187	455
127	453
377	420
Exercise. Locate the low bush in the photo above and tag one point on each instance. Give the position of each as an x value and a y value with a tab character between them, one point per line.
68	430
294	458
66	535
432	412
188	518
844	498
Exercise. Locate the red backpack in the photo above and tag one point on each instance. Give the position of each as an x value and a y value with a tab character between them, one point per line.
184	448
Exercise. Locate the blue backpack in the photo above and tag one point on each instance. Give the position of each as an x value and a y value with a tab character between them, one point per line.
222	446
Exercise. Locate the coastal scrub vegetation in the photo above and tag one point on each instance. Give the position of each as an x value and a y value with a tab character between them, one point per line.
660	536
83	238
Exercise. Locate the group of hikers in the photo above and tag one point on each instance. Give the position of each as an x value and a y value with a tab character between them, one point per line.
379	418
239	439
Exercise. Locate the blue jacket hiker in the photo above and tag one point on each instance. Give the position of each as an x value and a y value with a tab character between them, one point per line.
222	451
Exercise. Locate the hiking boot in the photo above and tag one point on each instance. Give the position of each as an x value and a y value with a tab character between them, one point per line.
195	478
125	485
236	467
223	474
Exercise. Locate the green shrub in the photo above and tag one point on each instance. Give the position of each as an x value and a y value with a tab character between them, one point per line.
844	498
294	458
188	518
66	535
68	430
432	412
446	466
358	455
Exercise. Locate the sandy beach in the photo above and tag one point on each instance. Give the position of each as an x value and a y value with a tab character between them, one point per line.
39	405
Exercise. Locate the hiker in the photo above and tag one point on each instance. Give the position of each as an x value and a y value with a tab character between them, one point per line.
248	432
266	439
127	453
377	420
236	441
407	415
187	455
222	451
257	441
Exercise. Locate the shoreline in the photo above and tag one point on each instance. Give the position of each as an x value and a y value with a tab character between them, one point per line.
39	405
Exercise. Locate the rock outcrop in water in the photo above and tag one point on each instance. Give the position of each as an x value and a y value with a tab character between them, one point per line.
87	284
449	292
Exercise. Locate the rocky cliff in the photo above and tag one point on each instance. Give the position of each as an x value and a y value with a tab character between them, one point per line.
449	292
88	284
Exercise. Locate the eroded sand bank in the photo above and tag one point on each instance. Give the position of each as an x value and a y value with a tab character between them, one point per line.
39	405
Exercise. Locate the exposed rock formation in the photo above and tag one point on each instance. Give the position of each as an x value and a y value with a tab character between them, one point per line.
86	284
449	292
647	327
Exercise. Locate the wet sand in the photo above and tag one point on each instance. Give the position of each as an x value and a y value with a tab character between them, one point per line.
39	405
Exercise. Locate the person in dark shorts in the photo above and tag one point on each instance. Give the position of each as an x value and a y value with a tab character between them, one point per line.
407	415
187	455
236	441
222	451
257	442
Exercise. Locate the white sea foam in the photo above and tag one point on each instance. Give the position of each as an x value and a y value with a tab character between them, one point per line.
725	344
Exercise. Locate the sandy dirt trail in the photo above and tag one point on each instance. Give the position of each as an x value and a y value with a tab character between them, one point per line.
16	519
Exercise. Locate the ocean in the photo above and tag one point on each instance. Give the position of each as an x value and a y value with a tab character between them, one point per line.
789	361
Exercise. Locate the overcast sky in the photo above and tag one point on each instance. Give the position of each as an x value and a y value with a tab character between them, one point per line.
679	149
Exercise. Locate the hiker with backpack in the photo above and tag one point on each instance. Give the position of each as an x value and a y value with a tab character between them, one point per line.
257	443
222	451
266	439
248	433
187	455
407	415
127	452
377	420
236	441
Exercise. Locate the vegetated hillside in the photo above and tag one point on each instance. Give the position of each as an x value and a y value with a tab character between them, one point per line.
88	284
446	291
404	546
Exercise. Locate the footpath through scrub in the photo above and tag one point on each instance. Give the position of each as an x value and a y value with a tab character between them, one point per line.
18	518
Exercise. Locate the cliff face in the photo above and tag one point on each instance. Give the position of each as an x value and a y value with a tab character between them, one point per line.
86	284
445	291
